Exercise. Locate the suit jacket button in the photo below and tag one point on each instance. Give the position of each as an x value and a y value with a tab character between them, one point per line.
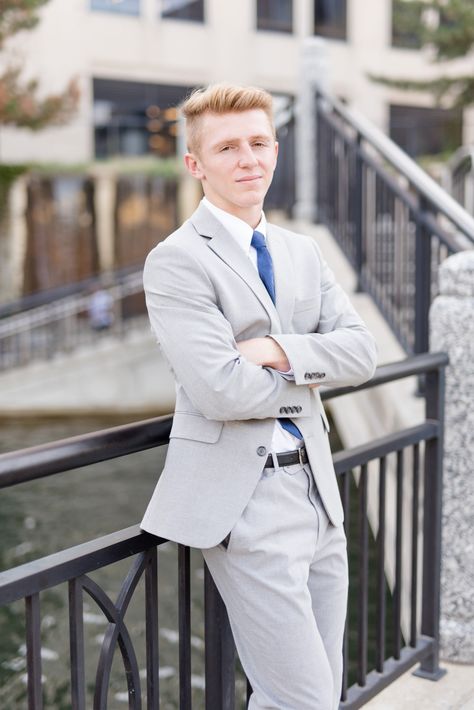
261	451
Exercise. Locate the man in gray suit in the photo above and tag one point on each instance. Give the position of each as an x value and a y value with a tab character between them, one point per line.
252	321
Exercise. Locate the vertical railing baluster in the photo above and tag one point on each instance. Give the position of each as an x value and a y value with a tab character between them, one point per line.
414	544
358	227
33	652
422	279
76	645
249	693
220	650
397	591
345	496
151	623
184	586
432	501
380	612
363	592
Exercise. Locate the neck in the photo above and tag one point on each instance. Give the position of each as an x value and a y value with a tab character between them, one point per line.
251	215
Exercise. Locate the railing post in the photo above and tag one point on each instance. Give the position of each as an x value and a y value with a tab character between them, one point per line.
220	650
422	279
432	499
358	215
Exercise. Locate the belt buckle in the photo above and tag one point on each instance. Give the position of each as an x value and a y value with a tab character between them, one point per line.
300	455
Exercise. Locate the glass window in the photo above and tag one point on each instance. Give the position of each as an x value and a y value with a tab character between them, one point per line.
406	24
124	7
425	131
275	15
135	118
183	10
330	18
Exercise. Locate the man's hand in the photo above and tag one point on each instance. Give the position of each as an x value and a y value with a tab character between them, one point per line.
265	352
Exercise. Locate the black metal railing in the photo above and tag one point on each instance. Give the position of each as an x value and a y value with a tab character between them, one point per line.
408	458
393	222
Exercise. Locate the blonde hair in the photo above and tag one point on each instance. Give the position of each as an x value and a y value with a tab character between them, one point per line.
219	99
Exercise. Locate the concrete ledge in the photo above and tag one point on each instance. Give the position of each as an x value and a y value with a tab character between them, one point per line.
454	691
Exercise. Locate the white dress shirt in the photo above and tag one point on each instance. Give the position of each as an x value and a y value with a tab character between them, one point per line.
242	232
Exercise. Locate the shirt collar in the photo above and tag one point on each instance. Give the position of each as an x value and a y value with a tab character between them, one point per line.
237	228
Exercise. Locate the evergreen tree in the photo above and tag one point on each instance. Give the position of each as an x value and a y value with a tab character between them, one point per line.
20	104
450	37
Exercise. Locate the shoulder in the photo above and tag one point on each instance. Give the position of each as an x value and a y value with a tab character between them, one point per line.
176	258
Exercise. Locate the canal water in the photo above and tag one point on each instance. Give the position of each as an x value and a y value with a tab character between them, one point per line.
52	514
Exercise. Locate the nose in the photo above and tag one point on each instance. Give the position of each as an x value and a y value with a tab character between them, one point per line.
247	157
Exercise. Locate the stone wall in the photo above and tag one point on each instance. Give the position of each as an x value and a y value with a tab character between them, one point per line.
452	331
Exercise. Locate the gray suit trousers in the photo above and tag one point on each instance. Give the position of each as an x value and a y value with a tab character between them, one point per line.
283	578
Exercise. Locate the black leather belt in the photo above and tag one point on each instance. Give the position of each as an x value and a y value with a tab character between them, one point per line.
288	458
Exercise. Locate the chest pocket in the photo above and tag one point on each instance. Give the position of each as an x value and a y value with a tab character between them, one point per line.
306	315
195	427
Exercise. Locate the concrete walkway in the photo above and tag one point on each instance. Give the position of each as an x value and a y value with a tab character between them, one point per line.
454	691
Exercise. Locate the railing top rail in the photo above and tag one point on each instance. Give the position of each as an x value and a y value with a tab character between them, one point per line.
47	296
68	454
411	366
426	186
33	577
77	451
66	306
465	152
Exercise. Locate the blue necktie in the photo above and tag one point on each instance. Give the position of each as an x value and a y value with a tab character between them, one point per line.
265	270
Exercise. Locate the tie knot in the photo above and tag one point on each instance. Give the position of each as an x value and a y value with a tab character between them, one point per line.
258	240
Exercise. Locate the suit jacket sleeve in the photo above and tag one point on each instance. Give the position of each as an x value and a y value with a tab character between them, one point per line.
342	351
198	342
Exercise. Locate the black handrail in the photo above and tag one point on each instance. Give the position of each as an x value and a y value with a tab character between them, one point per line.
392	221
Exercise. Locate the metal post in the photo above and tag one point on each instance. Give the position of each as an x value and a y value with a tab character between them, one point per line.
422	280
220	650
358	215
433	482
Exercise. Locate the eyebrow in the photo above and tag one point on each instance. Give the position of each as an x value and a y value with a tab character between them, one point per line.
226	141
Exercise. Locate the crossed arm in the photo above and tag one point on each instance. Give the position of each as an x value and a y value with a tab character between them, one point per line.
267	353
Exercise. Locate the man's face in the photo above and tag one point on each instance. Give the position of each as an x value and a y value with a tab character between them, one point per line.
235	160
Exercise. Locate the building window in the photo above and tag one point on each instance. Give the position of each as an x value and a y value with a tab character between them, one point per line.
406	24
425	131
192	10
275	15
122	7
135	118
330	18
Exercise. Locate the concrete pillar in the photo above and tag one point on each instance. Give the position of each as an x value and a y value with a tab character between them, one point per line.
452	331
13	239
313	73
105	186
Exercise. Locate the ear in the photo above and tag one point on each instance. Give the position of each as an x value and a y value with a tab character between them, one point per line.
193	166
276	151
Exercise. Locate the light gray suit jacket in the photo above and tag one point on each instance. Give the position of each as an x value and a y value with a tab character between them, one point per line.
203	296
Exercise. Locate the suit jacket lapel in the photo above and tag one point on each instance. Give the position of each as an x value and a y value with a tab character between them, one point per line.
284	274
222	244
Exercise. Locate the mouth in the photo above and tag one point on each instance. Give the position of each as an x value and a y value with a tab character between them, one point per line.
249	178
